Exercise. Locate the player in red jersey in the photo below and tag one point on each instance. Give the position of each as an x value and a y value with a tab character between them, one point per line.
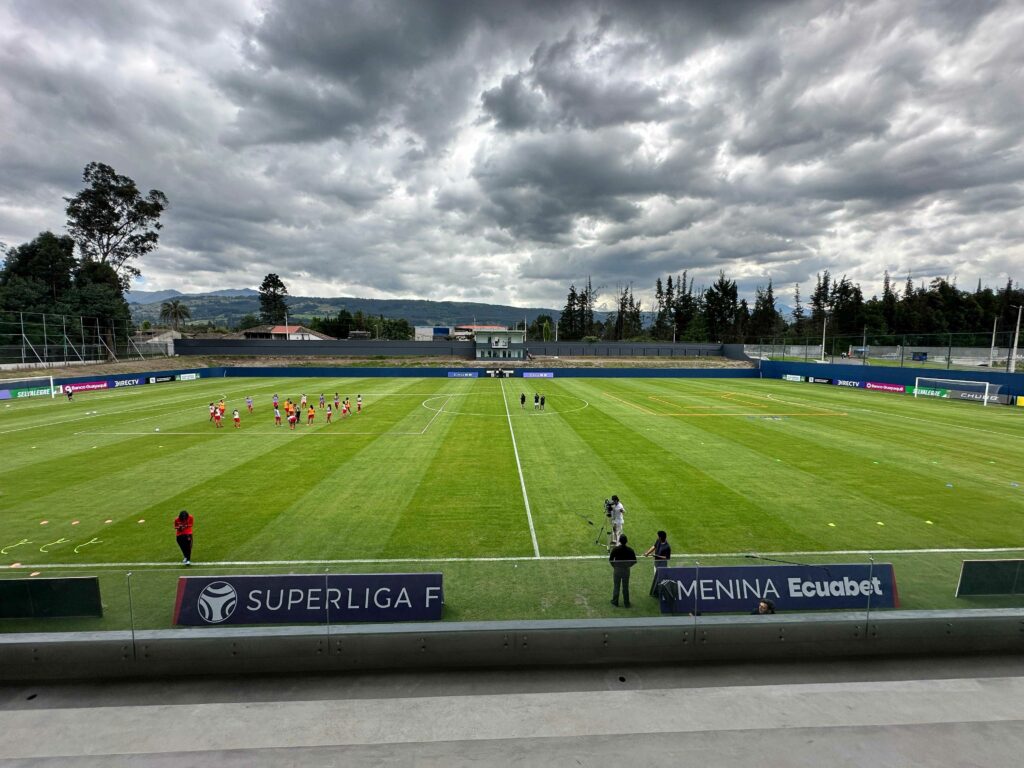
183	524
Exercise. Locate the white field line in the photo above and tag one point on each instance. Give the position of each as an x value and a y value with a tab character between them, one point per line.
191	397
438	413
520	559
860	409
519	466
169	413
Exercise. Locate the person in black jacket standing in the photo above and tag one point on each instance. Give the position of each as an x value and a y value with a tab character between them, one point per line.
662	552
622	558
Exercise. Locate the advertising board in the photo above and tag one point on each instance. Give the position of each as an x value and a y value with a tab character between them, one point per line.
883	387
84	386
132	381
737	589
308	599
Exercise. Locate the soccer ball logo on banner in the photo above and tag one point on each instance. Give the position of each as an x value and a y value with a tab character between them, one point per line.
217	602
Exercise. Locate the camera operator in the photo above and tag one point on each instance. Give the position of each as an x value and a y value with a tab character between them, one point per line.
615	513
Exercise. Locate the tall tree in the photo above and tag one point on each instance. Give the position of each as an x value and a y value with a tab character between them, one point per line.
273	305
765	320
112	222
721	305
568	323
889	301
174	312
37	276
799	316
820	300
687	304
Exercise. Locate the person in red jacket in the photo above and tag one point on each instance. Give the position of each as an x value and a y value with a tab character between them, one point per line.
183	532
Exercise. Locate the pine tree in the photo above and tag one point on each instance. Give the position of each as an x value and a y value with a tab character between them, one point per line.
799	317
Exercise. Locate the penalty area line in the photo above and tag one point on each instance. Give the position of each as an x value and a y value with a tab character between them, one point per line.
176	565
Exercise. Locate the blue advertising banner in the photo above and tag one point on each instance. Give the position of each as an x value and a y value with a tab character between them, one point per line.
308	599
737	589
463	374
538	374
848	383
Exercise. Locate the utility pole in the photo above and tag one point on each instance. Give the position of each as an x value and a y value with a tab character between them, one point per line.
824	325
992	349
1011	367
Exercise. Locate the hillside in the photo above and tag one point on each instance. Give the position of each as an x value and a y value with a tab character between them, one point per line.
227	310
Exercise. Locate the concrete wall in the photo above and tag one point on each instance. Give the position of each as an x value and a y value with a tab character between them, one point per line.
465	349
620	349
508	644
355	348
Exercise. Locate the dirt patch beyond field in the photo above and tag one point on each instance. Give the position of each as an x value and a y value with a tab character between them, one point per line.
185	362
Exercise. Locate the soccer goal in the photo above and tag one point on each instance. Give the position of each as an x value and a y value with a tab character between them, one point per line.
983	392
40	386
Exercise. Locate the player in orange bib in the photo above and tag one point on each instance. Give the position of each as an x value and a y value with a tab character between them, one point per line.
310	415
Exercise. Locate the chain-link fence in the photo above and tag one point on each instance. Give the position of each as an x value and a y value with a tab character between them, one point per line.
37	340
946	351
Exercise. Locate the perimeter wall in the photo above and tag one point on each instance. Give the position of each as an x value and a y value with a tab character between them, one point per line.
1011	383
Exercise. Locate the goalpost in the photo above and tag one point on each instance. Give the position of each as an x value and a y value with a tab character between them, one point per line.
983	392
15	389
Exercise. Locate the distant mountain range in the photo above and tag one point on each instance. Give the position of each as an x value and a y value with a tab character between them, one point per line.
149	297
227	307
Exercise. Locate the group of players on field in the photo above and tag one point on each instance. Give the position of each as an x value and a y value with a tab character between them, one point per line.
292	411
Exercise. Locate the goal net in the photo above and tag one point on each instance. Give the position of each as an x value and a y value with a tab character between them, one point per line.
14	389
983	392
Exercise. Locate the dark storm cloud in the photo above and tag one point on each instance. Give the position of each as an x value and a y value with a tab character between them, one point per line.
501	149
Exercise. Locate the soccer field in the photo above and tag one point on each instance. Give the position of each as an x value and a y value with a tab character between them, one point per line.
454	475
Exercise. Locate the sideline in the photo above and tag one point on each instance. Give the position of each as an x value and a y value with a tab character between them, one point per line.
520	559
522	481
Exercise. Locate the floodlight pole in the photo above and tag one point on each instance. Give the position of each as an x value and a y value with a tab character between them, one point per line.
1011	367
824	325
992	349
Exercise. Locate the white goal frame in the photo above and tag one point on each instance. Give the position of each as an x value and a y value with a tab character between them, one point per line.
989	387
34	382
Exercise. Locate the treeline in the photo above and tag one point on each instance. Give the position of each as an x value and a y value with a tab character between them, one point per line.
274	311
112	225
380	327
717	314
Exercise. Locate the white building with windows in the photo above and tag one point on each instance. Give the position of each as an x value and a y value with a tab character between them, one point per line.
499	344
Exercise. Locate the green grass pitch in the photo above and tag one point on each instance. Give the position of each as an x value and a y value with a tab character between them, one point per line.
453	475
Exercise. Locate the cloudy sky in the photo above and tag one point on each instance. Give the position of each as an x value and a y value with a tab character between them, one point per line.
498	150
